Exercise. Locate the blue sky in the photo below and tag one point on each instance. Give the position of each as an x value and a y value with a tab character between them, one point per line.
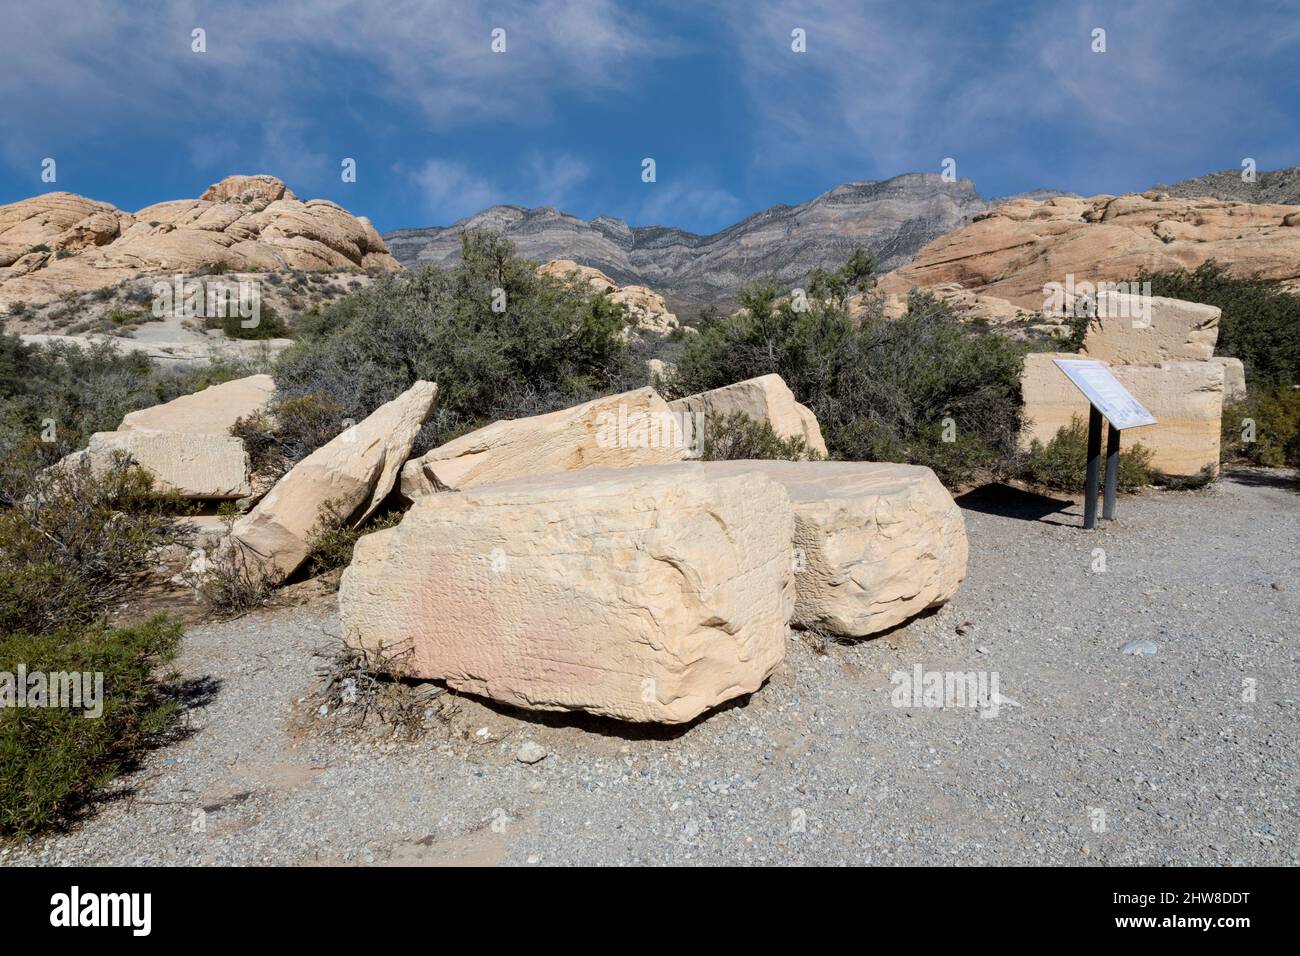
441	126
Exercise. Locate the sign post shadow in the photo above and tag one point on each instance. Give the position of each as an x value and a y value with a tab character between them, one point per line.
1109	399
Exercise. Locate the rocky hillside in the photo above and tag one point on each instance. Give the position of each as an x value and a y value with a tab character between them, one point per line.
1011	252
1279	186
891	219
60	243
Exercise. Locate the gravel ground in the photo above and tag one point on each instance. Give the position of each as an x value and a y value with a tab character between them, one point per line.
1093	756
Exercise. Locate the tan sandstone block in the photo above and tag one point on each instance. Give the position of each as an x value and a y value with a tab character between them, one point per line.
875	543
198	465
1185	397
633	428
356	470
647	594
1174	331
766	398
1234	378
211	411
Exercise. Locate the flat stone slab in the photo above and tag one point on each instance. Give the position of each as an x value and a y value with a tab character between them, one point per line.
618	431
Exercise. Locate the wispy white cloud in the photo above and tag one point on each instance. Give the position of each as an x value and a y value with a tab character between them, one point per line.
74	69
453	190
900	86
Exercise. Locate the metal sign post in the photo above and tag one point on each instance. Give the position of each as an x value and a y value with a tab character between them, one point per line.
1108	398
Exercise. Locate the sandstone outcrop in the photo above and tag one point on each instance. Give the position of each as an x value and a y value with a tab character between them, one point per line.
644	594
634	428
59	242
766	398
646	310
1185	397
874	543
354	472
1012	251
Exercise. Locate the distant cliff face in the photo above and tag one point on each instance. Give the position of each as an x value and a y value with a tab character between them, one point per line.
890	219
1281	186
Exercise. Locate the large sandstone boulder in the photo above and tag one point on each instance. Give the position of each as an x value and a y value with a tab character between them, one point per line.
645	309
59	242
1013	251
874	543
200	465
1185	397
646	594
185	444
211	411
1124	333
766	398
634	428
354	471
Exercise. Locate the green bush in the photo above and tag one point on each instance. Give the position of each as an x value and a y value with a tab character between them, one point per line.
924	388
53	760
1063	463
738	437
552	346
1275	413
332	540
288	430
269	325
1260	323
53	397
75	540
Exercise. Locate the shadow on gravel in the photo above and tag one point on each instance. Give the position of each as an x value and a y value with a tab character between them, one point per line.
604	726
1283	478
1007	501
188	695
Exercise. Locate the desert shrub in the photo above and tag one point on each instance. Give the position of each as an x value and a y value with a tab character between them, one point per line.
289	429
332	540
1062	463
738	437
551	347
227	582
1260	323
1275	413
269	325
924	388
53	760
75	539
72	543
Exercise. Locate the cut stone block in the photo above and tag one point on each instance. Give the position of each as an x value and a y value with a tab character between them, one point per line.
196	465
646	594
1234	378
1185	397
634	428
211	411
1174	331
355	470
764	399
875	543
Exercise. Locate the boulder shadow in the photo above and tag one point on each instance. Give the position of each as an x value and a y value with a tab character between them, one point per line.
1008	501
601	725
